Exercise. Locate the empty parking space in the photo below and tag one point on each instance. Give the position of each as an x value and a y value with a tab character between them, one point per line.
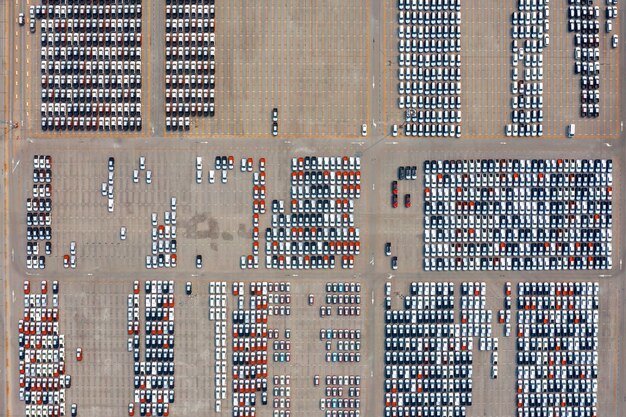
80	212
121	212
313	70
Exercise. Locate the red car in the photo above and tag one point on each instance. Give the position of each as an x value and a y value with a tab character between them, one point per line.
262	164
394	200
136	287
26	287
44	287
394	187
407	200
79	354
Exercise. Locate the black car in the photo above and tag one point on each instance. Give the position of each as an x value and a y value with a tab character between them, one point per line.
401	174
388	249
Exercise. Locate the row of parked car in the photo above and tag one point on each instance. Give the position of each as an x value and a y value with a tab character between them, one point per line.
250	334
281	403
217	314
39	214
251	261
510	263
504	315
154	373
42	378
584	19
436	379
429	51
517	166
557	348
190	63
530	37
107	189
91	66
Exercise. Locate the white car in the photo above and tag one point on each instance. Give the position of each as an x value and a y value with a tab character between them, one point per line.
614	41
224	177
211	176
123	233
363	129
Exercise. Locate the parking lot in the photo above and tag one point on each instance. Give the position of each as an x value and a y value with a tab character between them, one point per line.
569	342
214	220
102	253
566	214
107	361
321	322
486	65
67	91
322	51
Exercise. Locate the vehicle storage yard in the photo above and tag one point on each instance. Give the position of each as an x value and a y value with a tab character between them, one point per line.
322	50
487	58
337	268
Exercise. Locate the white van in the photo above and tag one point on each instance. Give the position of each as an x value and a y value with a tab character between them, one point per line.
571	130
